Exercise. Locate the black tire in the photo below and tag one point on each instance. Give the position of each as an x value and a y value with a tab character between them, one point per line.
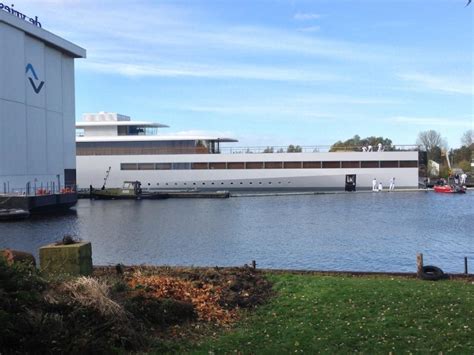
431	273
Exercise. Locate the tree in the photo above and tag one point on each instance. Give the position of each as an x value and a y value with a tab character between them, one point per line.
356	143
294	149
430	139
268	150
467	138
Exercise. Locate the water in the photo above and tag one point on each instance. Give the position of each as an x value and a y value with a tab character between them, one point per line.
363	232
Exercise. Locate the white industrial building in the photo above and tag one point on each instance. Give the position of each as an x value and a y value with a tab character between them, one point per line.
37	108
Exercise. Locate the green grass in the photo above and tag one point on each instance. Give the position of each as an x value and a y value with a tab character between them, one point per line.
329	314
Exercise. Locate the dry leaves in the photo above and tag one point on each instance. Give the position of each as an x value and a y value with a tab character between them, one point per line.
204	297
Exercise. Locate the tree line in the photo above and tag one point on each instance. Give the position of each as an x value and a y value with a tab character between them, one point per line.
437	150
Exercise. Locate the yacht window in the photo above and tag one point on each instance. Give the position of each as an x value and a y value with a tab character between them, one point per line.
331	164
235	165
216	165
369	164
146	166
181	166
351	164
163	166
408	164
273	165
254	165
389	164
292	165
312	165
199	166
128	166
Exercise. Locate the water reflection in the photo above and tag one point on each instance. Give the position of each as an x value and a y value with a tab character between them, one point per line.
367	232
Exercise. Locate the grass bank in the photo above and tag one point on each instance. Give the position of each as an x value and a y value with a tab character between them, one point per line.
337	314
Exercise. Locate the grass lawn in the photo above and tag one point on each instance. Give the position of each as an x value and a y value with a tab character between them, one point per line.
337	314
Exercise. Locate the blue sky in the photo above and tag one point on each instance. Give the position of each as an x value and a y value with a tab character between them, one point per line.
274	72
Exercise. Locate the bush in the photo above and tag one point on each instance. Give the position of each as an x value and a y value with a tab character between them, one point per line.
75	316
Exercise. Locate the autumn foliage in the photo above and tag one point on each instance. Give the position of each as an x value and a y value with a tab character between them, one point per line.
204	297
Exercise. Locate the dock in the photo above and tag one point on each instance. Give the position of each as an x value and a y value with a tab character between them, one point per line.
173	194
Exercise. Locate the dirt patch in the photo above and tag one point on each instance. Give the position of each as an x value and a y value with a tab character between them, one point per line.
120	308
215	293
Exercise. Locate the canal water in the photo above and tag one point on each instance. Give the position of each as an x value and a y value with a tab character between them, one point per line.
359	232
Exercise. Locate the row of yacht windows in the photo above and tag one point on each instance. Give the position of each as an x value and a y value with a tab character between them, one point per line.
273	165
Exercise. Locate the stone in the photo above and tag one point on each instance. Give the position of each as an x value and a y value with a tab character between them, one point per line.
71	259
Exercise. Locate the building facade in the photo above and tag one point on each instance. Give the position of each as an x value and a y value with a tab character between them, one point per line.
37	108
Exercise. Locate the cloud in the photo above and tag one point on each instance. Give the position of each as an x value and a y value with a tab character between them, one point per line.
228	71
265	112
306	16
201	133
448	84
434	121
309	29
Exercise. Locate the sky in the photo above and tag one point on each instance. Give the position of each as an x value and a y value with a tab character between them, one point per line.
274	73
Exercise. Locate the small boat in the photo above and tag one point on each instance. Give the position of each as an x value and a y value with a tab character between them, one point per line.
13	214
450	189
131	190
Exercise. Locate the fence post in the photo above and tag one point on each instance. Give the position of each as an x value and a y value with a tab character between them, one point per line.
419	264
465	266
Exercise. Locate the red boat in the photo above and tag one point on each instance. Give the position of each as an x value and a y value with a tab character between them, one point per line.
449	189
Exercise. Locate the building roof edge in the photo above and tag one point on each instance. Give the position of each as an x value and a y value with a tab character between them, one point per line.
51	39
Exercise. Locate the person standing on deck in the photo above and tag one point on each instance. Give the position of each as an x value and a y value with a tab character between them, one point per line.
380	186
379	147
463	178
369	148
374	184
392	184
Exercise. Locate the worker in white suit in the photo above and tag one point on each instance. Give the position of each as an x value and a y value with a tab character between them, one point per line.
374	184
392	184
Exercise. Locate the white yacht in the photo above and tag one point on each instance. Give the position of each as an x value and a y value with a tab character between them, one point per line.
133	150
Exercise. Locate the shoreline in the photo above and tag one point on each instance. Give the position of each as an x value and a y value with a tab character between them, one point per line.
342	273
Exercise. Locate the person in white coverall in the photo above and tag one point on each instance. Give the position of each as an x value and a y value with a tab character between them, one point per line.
374	184
380	186
392	184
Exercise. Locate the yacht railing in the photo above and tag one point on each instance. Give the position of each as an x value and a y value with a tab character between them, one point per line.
314	149
37	190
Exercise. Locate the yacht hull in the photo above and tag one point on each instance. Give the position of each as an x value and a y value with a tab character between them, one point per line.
90	171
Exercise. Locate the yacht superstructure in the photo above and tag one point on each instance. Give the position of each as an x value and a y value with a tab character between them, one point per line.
133	150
